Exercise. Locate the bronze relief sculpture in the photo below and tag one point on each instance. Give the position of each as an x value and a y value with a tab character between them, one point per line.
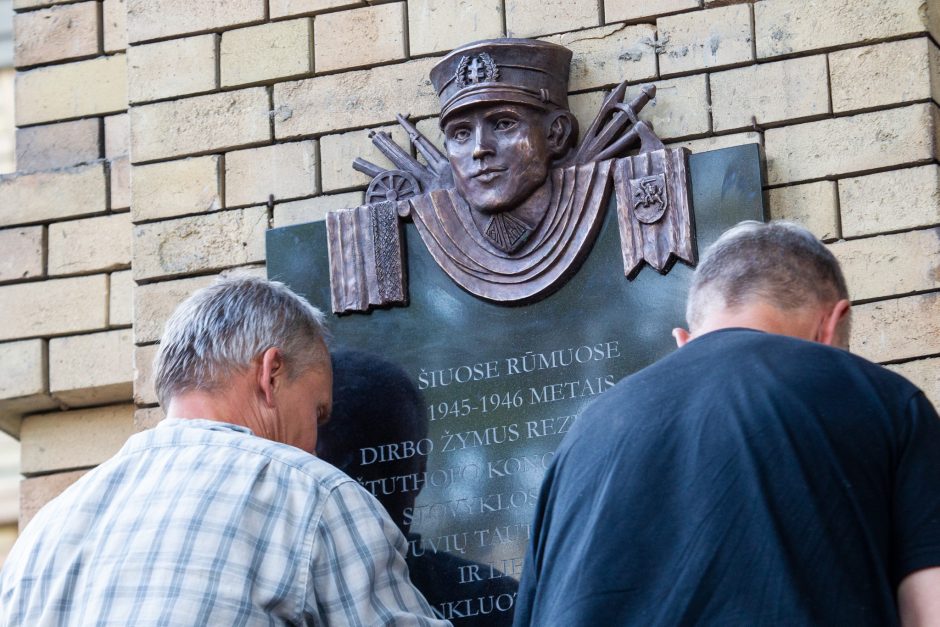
515	205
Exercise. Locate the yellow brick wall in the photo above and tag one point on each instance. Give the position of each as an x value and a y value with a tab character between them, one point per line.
9	447
66	294
245	114
7	160
9	492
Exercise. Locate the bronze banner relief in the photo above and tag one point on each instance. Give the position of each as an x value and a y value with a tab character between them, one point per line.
515	205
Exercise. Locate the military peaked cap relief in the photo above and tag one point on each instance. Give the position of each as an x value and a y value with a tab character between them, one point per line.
526	72
514	206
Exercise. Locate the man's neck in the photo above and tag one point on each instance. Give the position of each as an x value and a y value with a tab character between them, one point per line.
219	405
801	323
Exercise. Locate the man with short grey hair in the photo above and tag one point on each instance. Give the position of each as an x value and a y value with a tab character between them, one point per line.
760	475
220	515
778	272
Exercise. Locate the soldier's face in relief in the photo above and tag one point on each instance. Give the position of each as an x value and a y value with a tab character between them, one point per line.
499	154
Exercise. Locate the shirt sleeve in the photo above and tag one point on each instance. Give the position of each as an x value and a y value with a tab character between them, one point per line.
917	491
358	573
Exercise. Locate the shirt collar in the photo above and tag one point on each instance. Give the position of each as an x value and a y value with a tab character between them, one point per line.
201	423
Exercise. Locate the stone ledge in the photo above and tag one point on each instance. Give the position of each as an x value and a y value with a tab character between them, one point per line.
53	195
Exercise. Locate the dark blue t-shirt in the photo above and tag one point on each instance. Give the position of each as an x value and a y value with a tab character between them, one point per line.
746	479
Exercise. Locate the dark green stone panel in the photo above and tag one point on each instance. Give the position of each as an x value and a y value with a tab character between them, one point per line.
552	357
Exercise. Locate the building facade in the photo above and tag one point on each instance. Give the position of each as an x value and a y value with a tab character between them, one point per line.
9	447
157	141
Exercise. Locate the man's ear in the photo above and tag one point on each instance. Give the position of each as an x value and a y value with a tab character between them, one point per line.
562	132
681	336
271	373
830	332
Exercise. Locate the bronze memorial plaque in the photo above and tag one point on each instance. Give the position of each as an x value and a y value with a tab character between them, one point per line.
485	294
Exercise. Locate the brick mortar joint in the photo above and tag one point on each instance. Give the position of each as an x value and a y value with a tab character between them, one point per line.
26	69
68	169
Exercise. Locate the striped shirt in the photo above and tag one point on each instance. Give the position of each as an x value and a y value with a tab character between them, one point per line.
198	522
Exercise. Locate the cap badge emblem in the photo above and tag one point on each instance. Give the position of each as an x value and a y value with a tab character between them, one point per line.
475	69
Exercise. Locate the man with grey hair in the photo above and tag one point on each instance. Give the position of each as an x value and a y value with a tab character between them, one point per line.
760	475
220	515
